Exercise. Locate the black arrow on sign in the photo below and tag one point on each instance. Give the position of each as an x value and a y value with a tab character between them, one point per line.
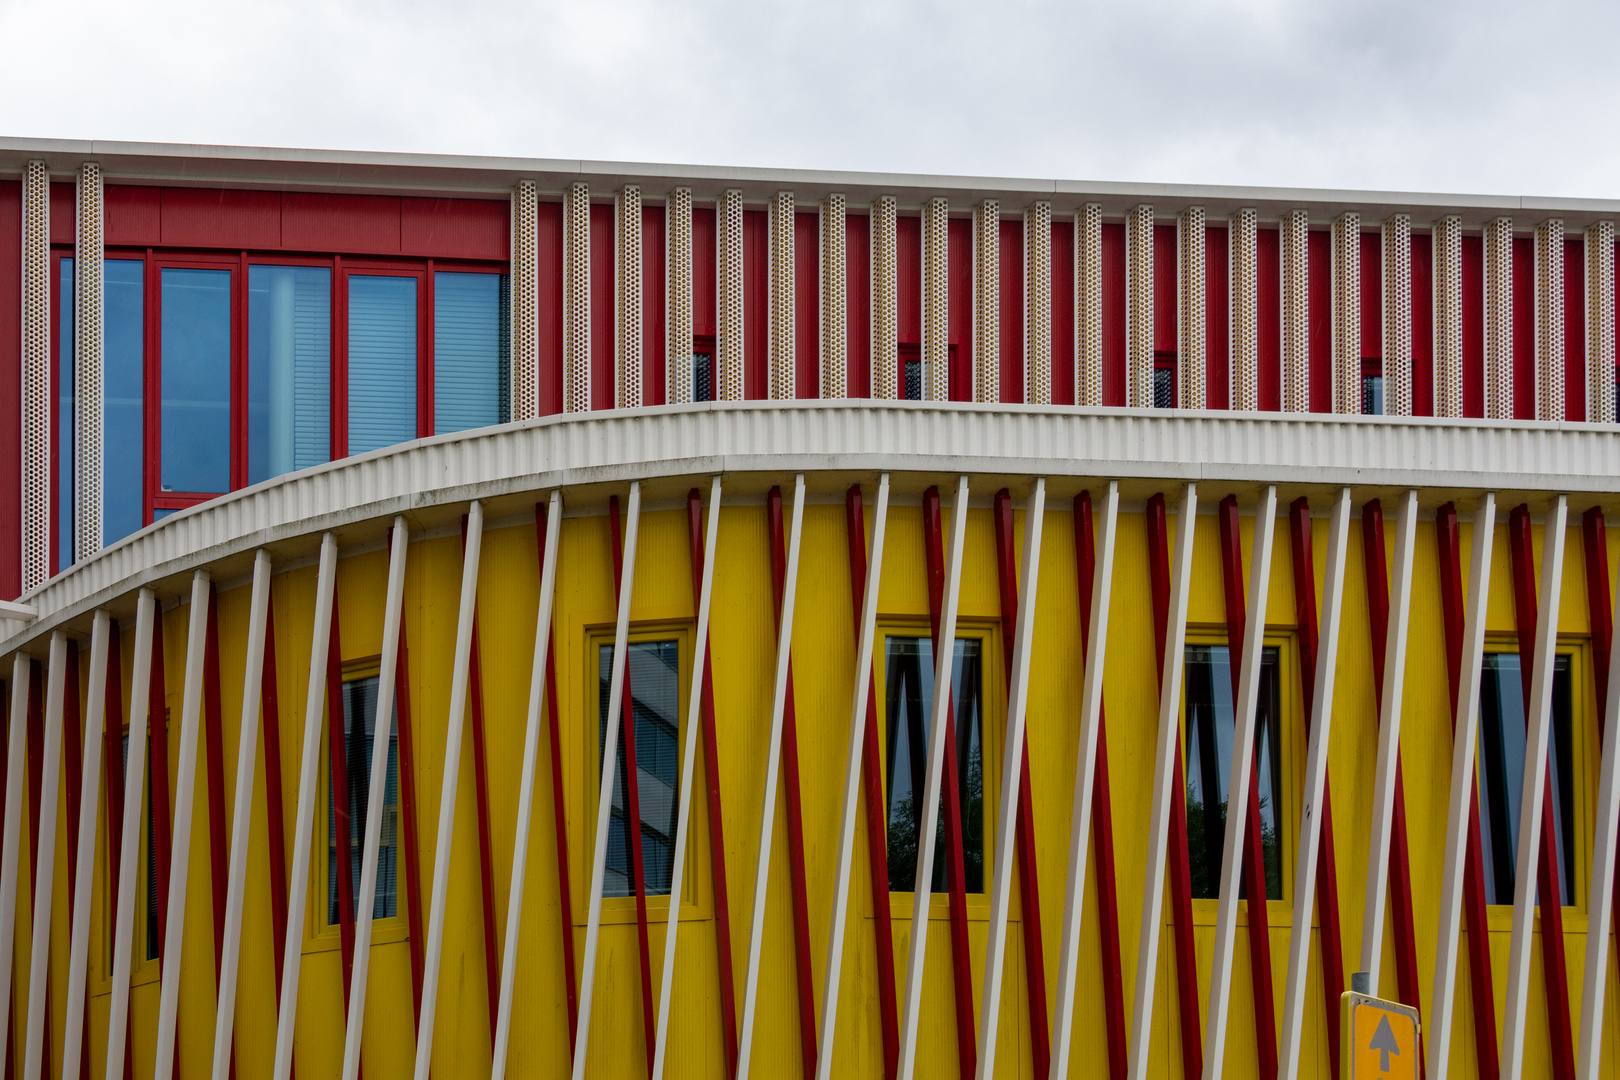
1383	1040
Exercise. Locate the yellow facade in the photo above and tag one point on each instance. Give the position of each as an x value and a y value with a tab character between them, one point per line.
743	648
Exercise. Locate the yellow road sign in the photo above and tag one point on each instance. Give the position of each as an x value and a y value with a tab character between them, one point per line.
1378	1039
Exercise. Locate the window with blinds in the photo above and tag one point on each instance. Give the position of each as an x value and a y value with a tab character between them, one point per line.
359	728
471	351
382	361
289	369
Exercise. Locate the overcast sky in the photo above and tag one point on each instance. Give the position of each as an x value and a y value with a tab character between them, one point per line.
1502	98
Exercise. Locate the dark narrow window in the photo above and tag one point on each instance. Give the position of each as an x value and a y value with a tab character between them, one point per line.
654	691
359	727
382	361
703	376
1372	388
149	905
196	382
1210	731
1164	380
470	351
909	663
1501	774
912	375
289	369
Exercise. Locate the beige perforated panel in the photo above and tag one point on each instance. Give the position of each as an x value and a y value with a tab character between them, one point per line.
1139	306
1600	367
1448	366
525	286
36	376
1396	243
936	349
627	297
834	300
779	338
678	296
1345	271
1191	350
987	301
1088	305
1243	258
88	384
885	328
1499	319
1296	343
577	299
728	340
1038	304
1550	319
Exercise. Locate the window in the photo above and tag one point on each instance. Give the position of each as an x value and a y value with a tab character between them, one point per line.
1502	733
653	690
289	369
703	376
1372	387
382	361
909	691
472	353
359	727
148	887
1210	731
912	375
195	346
1164	380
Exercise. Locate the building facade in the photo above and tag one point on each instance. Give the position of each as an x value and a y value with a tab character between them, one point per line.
354	506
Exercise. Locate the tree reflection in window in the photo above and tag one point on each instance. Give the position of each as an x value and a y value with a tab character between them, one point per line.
654	689
910	691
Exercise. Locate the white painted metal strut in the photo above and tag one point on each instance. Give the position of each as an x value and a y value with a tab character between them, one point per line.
773	761
922	899
16	763
447	793
1316	764
73	1042
1237	795
604	799
185	799
45	880
531	743
1085	778
1534	791
1389	740
1169	750
694	703
129	843
1600	898
1012	758
852	783
1462	776
303	829
383	722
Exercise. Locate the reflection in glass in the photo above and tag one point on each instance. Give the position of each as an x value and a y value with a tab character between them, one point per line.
471	351
1372	395
1210	731
289	369
359	729
64	415
1501	774
196	385
909	684
382	361
653	690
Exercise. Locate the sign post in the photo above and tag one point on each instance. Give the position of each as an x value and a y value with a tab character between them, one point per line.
1381	1039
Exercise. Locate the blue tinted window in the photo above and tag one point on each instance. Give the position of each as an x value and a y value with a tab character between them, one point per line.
289	369
64	416
470	359
653	690
382	361
196	350
124	389
359	732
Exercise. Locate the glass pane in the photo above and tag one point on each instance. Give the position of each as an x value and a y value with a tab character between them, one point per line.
123	436
470	351
1210	732
913	391
653	691
382	362
909	686
196	349
703	377
359	728
1502	744
64	415
1372	395
289	369
1164	388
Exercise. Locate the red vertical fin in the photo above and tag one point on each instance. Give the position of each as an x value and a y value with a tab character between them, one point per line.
486	859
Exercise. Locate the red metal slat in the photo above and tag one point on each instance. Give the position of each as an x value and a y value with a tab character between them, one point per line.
486	858
408	810
157	720
955	871
273	795
1598	598
218	825
717	841
36	764
73	765
342	804
1102	812
795	809
559	804
1327	876
1192	1024
877	843
633	808
1400	862
112	754
1254	863
1479	955
1024	837
1553	964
